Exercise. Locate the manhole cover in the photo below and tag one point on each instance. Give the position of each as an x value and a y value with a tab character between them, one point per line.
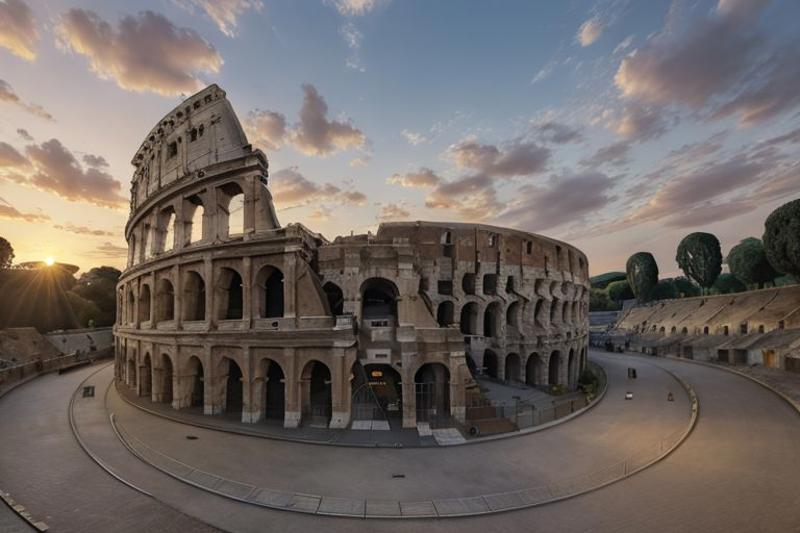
88	392
398	476
191	437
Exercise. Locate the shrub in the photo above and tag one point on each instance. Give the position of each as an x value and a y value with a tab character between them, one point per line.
642	274
782	238
619	291
700	257
748	262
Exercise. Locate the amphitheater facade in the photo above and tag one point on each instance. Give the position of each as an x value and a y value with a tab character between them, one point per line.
223	309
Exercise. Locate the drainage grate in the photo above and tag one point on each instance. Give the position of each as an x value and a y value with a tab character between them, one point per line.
191	437
88	392
398	476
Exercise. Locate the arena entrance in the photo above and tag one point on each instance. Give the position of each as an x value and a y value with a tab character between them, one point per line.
233	389
316	394
275	392
432	387
377	396
197	398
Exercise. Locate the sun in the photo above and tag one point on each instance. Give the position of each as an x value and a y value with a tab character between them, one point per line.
49	261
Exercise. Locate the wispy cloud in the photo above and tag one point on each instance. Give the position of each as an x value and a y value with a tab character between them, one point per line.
18	33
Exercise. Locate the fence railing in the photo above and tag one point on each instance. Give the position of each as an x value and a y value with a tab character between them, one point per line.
16	373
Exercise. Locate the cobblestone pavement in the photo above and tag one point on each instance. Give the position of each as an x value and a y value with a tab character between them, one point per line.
736	472
44	468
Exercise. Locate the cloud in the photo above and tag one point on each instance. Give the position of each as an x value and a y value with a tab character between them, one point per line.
323	212
24	134
315	134
146	52
422	178
558	133
353	38
266	128
623	45
518	158
83	230
413	138
10	212
7	94
390	212
360	161
18	33
96	161
290	189
11	158
590	31
224	13
641	122
51	167
108	250
563	199
472	197
615	154
350	8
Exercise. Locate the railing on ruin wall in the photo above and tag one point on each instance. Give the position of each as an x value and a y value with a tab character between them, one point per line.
13	375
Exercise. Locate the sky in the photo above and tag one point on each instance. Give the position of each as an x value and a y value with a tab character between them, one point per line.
616	125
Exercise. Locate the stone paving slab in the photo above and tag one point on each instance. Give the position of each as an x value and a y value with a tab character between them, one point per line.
341	506
271	498
304	503
461	506
418	509
448	436
235	489
382	508
507	500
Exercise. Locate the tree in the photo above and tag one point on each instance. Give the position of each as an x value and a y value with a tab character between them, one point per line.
782	238
664	290
642	272
748	262
727	284
685	287
98	286
619	291
602	281
700	257
6	253
598	301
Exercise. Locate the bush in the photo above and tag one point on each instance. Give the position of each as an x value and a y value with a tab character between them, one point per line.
685	288
782	238
599	301
727	284
619	291
665	290
602	281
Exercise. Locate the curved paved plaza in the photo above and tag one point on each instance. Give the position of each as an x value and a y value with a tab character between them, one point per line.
735	471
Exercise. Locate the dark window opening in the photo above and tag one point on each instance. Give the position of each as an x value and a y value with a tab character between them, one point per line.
172	150
490	284
335	298
445	287
468	283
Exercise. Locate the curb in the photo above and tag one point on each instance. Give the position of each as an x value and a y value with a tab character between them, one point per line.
477	440
489	503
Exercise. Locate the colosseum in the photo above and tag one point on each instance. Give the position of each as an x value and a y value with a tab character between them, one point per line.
223	309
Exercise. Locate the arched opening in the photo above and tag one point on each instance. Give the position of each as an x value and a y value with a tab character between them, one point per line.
490	284
444	313
553	367
432	386
194	226
131	373
166	376
468	283
554	310
512	316
571	368
469	319
512	368
534	370
144	303
335	298
269	298
167	230
194	297
491	320
132	259
147	377
490	364
131	307
230	303
234	398
274	391
231	209
197	391
165	302
537	313
376	392
317	398
379	299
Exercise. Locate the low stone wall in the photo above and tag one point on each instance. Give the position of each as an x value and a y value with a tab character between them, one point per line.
70	341
12	376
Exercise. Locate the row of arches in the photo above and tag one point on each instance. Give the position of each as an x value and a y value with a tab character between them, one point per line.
536	370
268	297
494	317
156	378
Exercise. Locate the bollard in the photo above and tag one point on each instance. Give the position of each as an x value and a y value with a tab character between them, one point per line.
670	397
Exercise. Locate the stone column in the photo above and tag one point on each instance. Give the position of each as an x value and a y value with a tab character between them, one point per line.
293	410
249	400
178	296
340	399
153	299
409	399
290	286
210	406
501	366
208	275
247	291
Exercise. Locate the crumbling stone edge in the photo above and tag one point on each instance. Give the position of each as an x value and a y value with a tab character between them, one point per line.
483	500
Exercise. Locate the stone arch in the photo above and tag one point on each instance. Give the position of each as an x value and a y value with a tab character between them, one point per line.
144	303
146	383
193	226
512	367
316	393
534	370
468	283
444	313
166	230
269	296
537	312
554	310
490	364
167	375
379	299
432	387
231	210
491	320
512	316
376	391
469	319
335	298
194	297
197	382
130	314
230	295
131	371
274	396
234	387
165	300
572	368
554	368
